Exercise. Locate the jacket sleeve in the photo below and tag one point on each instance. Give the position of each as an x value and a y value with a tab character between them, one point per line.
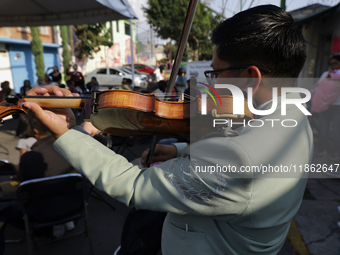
173	186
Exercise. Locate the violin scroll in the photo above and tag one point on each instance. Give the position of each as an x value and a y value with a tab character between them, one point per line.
12	106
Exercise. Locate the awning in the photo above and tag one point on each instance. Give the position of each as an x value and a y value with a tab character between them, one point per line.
21	13
316	15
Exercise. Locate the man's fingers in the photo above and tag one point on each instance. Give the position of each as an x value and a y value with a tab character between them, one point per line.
144	157
36	91
48	90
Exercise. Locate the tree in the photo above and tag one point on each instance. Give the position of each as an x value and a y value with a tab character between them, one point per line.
167	48
38	51
167	18
91	38
66	52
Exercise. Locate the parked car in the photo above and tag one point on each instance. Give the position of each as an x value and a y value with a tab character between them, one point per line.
113	76
142	68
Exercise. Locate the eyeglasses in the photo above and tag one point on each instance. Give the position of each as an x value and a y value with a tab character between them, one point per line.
213	74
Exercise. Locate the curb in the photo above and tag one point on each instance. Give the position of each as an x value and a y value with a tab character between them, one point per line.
296	241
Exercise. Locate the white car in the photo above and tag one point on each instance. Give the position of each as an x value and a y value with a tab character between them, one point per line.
113	76
144	75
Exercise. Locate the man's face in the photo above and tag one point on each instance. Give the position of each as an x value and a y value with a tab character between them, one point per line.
5	86
222	76
75	67
334	64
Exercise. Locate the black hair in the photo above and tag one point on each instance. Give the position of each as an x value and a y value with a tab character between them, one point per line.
336	57
22	129
162	85
32	166
69	82
265	36
161	68
35	123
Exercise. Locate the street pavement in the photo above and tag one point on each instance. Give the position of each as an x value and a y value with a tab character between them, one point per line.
314	229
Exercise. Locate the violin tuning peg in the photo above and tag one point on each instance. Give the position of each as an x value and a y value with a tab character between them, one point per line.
13	99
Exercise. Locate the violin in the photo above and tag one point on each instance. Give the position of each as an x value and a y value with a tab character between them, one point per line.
130	113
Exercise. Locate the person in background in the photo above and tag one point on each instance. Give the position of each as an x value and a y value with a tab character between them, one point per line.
26	139
40	82
326	102
92	83
54	76
77	77
6	90
71	87
181	83
126	84
192	91
48	81
25	88
41	161
42	153
159	73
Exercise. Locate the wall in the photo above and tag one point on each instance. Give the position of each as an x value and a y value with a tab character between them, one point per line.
24	33
22	61
319	35
119	53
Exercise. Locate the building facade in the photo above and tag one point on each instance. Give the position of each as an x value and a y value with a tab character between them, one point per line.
16	58
120	52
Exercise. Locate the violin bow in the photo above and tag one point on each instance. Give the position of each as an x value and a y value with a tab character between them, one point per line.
179	55
182	43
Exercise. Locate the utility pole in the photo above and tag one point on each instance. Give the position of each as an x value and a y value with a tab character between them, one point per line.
151	42
71	40
283	4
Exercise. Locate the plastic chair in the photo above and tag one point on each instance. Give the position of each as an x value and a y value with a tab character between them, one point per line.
7	167
51	201
7	184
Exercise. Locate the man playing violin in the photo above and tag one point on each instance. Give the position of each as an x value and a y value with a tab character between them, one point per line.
213	212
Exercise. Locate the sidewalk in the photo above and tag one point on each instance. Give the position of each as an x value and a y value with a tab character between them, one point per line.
313	231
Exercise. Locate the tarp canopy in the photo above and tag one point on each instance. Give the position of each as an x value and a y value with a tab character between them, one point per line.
21	13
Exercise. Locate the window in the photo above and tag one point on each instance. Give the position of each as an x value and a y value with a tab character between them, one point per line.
44	30
113	71
24	29
127	29
117	23
102	71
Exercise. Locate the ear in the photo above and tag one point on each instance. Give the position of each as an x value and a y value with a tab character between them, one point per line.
255	74
36	132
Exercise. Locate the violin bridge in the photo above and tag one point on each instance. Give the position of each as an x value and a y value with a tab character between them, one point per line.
225	115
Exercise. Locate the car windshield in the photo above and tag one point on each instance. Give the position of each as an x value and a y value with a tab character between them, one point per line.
123	70
136	66
130	70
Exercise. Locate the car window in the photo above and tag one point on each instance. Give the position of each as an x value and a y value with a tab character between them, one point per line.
113	71
101	71
126	70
